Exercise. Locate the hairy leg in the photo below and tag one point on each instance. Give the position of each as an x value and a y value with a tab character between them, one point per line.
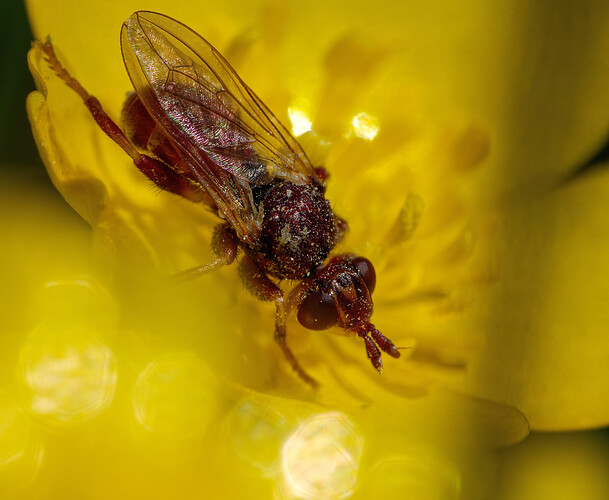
158	172
260	285
225	246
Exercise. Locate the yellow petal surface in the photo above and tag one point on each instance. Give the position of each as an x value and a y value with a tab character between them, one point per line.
547	346
558	466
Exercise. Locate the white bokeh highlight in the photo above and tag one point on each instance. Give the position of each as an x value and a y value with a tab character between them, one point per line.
320	459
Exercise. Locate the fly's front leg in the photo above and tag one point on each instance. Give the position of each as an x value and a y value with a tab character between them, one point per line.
260	285
372	350
373	339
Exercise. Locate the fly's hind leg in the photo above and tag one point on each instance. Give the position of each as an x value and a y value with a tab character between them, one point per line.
260	285
157	171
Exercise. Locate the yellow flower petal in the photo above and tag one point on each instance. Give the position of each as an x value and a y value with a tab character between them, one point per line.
86	195
558	466
547	351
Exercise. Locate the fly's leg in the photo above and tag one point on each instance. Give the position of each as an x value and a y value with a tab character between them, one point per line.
225	245
280	338
261	286
373	339
372	350
384	343
157	171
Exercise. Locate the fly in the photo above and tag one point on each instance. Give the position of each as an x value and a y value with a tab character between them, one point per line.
195	129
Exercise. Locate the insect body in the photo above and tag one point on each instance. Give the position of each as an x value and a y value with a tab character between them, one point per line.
196	129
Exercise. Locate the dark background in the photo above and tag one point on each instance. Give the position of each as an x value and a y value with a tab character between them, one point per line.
17	148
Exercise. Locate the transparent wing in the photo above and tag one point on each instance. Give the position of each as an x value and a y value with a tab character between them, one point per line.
204	107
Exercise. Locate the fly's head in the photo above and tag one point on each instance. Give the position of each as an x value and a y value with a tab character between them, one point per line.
340	294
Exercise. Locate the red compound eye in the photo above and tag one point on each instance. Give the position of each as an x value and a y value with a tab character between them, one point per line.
366	269
318	312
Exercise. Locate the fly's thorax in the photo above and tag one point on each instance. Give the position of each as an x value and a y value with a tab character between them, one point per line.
298	230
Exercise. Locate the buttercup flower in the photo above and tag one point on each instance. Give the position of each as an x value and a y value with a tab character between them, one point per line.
179	388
